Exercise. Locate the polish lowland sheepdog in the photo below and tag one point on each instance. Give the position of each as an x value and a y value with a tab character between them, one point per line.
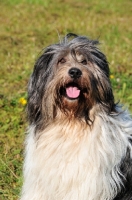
79	142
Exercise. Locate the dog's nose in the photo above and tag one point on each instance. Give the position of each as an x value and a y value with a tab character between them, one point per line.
75	73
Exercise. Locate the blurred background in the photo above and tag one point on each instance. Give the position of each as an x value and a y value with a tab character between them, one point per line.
26	27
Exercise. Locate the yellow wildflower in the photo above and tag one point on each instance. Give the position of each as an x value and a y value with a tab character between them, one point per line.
111	76
23	101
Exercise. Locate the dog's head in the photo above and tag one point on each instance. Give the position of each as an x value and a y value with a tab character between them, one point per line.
70	77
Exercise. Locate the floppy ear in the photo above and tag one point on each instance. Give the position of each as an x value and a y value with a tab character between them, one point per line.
100	59
37	85
104	94
102	86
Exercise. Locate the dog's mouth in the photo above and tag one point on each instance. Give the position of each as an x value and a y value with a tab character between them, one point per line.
72	91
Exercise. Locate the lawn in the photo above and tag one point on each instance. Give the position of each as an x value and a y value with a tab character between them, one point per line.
27	26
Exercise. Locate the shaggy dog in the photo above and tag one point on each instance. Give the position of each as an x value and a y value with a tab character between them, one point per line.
79	141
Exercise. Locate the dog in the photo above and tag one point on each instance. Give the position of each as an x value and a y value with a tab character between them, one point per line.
79	141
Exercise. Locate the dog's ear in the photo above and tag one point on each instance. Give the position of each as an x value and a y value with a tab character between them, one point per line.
37	84
100	76
100	60
104	94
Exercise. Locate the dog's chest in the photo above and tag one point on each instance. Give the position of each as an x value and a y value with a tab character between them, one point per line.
75	164
68	167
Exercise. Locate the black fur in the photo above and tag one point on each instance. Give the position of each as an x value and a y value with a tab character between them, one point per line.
126	169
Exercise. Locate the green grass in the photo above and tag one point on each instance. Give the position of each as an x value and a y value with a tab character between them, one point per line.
27	26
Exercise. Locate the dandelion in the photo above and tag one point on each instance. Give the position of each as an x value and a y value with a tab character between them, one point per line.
111	76
23	101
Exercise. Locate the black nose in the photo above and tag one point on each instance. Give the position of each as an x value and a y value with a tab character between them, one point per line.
75	73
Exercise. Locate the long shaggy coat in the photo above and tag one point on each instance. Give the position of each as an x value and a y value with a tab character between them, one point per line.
79	142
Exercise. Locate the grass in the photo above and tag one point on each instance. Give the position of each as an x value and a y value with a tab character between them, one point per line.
27	26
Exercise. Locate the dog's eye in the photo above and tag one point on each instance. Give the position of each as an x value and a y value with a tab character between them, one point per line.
84	62
62	60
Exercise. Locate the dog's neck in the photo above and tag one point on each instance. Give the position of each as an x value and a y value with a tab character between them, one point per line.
70	118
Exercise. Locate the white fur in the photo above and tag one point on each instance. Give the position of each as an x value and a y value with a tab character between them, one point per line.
70	161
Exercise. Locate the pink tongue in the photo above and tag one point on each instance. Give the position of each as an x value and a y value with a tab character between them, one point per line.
72	92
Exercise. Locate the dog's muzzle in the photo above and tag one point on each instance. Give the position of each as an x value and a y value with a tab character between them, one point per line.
72	89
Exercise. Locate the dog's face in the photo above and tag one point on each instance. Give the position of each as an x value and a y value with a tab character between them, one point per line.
69	78
70	84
